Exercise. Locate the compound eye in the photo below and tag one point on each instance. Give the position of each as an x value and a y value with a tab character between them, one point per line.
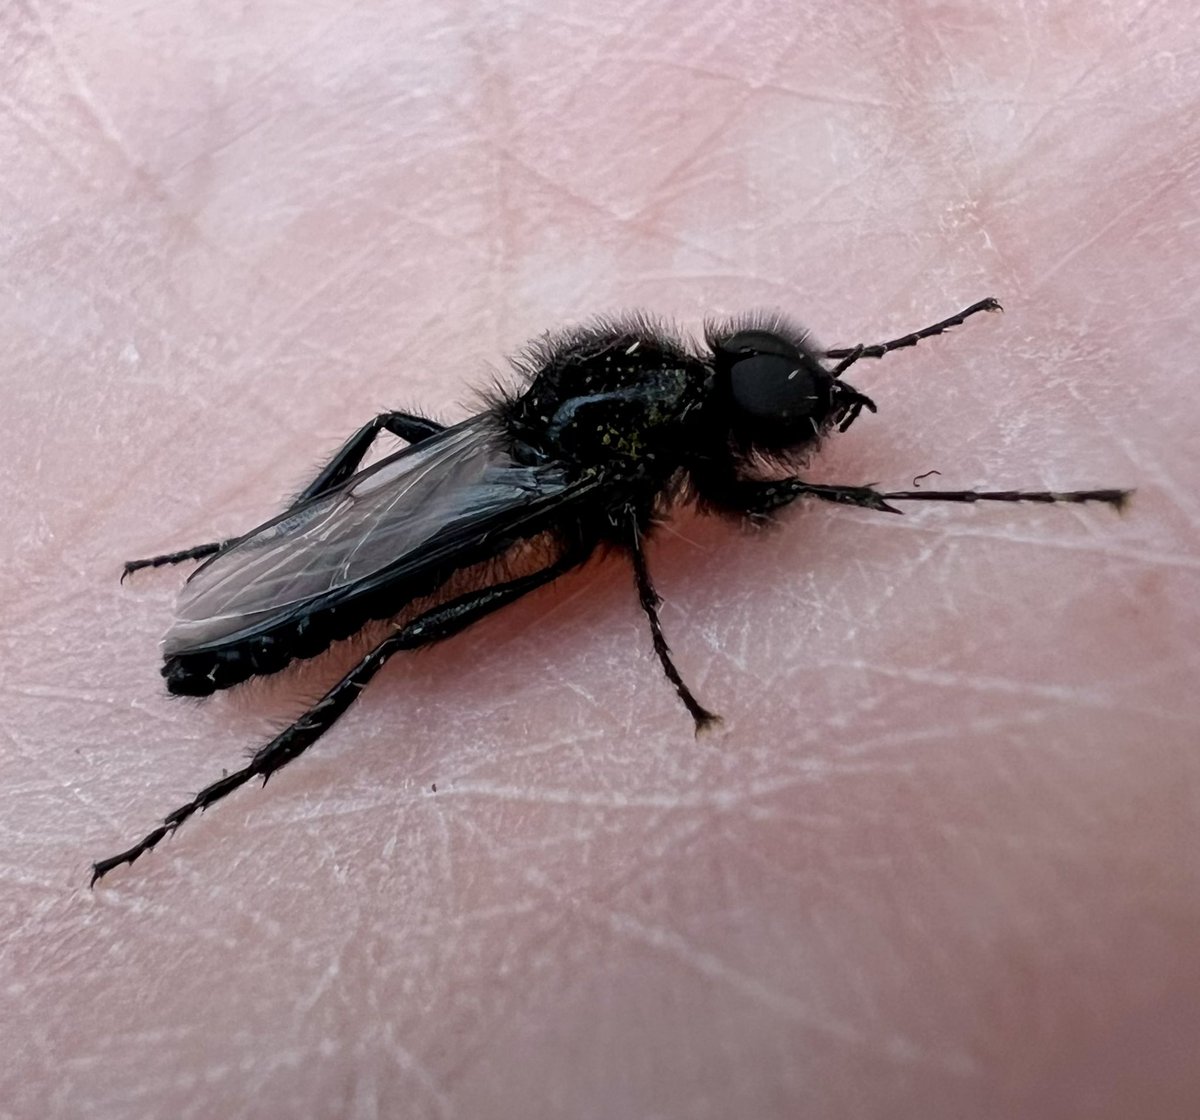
772	387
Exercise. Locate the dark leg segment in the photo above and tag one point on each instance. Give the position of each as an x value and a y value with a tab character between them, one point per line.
851	354
197	553
847	361
1115	498
650	601
433	626
408	427
760	498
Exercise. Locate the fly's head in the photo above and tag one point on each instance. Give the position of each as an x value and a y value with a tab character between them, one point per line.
779	396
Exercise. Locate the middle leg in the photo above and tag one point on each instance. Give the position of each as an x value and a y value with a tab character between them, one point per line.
650	601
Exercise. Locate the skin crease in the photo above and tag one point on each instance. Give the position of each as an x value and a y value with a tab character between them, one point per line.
940	861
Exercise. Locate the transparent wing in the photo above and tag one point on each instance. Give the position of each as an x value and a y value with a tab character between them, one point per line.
409	512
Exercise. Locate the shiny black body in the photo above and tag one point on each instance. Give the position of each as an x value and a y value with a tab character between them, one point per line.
621	405
612	426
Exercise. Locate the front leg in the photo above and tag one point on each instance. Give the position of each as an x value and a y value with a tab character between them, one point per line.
850	355
759	498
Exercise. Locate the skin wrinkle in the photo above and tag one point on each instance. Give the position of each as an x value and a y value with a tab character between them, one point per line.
80	89
669	942
95	109
631	220
1094	236
1093	65
938	863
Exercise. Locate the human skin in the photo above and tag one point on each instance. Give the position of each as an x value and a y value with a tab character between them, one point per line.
941	858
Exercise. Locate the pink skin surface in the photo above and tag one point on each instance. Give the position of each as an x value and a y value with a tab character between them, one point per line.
940	861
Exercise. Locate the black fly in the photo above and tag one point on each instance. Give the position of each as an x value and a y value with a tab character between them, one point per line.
616	423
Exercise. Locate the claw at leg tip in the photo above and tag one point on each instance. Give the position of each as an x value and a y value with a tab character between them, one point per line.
707	721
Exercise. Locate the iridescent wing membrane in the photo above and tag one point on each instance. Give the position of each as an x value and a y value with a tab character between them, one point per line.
406	516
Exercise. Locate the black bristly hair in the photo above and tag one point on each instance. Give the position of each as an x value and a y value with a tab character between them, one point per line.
615	423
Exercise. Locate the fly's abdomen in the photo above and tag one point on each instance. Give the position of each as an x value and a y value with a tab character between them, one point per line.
203	672
310	630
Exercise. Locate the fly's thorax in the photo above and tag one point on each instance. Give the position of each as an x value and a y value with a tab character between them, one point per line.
620	399
635	425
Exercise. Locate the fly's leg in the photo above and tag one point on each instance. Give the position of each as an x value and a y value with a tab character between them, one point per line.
289	744
408	427
762	498
198	553
434	625
851	354
1118	499
412	429
650	602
